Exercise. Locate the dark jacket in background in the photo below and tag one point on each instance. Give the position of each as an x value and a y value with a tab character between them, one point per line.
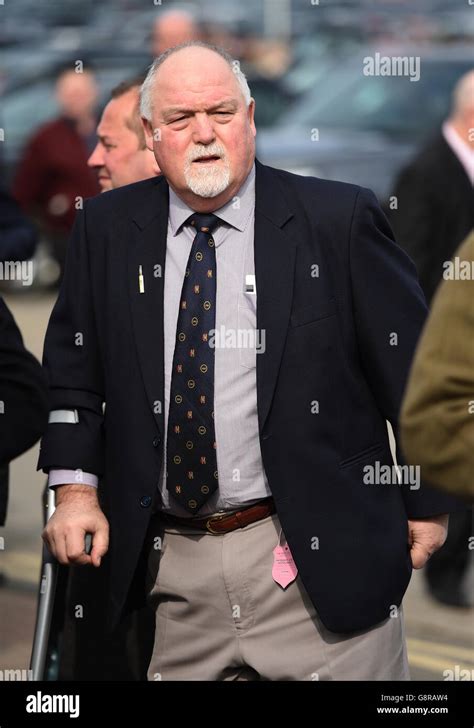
18	236
23	399
435	210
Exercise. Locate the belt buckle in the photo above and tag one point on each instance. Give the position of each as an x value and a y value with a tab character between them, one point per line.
214	518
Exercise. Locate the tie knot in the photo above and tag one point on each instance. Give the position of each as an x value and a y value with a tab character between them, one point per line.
204	222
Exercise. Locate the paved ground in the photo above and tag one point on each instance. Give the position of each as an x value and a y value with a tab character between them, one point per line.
439	638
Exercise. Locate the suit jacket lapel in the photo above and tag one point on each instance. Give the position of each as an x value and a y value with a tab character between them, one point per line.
274	273
148	250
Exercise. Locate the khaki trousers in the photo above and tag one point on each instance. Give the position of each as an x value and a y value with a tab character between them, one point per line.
221	616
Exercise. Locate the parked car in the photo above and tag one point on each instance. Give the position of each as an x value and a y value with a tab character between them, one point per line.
363	129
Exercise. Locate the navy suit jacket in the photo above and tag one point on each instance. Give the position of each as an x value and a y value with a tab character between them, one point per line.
342	310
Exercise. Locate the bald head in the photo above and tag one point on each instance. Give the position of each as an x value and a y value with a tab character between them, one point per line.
463	95
462	113
173	28
197	60
199	119
76	93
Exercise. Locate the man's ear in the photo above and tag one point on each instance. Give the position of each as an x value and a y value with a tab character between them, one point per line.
148	129
251	114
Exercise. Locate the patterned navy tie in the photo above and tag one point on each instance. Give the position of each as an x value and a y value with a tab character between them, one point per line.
191	443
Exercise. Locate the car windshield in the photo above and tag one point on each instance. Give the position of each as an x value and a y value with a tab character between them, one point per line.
389	104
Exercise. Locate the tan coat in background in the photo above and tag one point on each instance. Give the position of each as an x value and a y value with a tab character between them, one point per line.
437	417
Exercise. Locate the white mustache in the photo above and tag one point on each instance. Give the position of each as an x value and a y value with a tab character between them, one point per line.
214	150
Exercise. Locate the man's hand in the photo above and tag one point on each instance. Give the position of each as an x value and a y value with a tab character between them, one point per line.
77	513
426	536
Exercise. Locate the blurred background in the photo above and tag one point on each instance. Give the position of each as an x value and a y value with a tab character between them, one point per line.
317	113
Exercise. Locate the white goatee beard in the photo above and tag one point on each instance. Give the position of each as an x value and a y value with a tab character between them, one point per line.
209	181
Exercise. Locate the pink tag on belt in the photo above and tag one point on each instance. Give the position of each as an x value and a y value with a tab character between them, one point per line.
284	568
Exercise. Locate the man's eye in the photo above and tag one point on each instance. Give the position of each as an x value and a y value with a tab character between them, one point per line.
181	118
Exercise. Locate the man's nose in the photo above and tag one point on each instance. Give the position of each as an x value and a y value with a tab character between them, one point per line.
97	157
203	131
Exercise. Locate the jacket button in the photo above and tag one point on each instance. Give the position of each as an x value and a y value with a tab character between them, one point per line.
145	501
156	441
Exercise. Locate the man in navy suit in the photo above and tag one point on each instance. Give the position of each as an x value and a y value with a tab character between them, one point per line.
227	346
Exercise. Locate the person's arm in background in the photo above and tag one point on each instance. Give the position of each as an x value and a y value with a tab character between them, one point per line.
75	377
18	236
23	391
31	174
388	300
437	419
23	397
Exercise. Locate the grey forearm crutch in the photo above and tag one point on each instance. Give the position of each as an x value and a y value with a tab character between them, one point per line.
47	591
44	612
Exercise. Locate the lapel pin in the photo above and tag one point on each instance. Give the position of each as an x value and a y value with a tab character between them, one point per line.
141	284
249	283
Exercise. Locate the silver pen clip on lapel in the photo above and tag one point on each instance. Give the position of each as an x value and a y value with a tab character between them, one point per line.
141	284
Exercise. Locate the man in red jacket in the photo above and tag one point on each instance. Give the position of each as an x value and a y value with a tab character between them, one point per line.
53	177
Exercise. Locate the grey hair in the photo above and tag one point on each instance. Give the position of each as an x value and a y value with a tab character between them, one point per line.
146	91
463	97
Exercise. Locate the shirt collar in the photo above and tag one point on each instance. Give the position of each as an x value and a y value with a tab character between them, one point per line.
235	215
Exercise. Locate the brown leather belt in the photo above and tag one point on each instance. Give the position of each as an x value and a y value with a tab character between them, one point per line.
223	523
